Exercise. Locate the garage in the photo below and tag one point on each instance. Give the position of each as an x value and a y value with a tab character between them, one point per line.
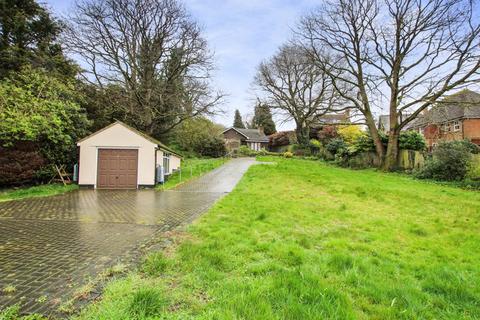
121	157
117	168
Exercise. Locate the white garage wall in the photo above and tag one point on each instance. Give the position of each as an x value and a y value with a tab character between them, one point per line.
116	137
174	161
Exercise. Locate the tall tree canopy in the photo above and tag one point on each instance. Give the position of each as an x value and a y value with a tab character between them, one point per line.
263	118
405	54
237	121
28	36
295	86
153	52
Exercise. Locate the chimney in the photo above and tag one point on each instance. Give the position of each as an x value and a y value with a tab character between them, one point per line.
260	130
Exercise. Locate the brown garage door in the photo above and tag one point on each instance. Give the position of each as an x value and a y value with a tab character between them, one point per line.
117	168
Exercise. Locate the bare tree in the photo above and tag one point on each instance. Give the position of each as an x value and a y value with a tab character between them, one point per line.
408	53
152	51
291	84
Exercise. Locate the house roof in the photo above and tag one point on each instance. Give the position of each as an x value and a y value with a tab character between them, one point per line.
253	135
464	104
143	135
333	118
384	121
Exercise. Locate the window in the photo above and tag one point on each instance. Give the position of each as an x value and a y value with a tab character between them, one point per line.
456	125
446	127
166	163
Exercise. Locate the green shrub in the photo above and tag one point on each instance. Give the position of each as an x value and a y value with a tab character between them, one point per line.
412	140
364	143
336	146
213	147
288	154
315	146
474	169
246	151
450	161
472	147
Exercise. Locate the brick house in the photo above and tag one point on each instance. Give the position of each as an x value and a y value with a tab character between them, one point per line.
456	117
254	139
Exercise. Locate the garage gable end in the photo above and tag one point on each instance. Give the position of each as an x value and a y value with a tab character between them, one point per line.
117	135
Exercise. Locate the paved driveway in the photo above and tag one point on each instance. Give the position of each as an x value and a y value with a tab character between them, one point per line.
50	246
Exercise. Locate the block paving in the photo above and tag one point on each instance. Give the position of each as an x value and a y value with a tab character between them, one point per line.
50	246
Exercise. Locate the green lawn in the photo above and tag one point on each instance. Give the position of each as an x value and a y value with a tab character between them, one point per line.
37	191
304	240
191	168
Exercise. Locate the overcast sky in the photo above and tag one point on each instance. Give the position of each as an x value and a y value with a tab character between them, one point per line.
241	33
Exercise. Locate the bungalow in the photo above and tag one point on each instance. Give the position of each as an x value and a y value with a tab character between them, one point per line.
121	157
254	139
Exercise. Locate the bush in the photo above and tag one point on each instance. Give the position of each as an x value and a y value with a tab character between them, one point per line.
450	161
472	147
315	146
288	154
336	146
246	151
21	164
474	169
350	133
213	147
411	140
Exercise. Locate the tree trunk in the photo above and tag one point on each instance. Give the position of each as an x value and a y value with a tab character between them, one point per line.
391	157
379	149
302	134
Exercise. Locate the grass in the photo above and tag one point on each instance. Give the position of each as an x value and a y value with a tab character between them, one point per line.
304	240
191	169
36	191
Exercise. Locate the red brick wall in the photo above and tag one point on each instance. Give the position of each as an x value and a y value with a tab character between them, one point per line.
471	129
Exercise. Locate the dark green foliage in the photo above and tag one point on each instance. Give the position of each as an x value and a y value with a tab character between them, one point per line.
40	109
28	37
237	121
20	163
146	303
408	140
212	147
450	162
472	147
336	146
263	118
412	140
364	143
103	106
198	136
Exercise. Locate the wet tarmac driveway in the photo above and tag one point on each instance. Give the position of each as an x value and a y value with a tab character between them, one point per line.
51	246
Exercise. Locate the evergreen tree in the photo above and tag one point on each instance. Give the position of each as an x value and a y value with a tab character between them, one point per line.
237	122
263	118
28	37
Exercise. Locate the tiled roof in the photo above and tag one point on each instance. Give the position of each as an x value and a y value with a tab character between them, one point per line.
144	135
464	104
253	135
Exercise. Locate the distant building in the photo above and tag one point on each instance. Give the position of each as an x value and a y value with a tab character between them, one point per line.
255	139
456	117
383	123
